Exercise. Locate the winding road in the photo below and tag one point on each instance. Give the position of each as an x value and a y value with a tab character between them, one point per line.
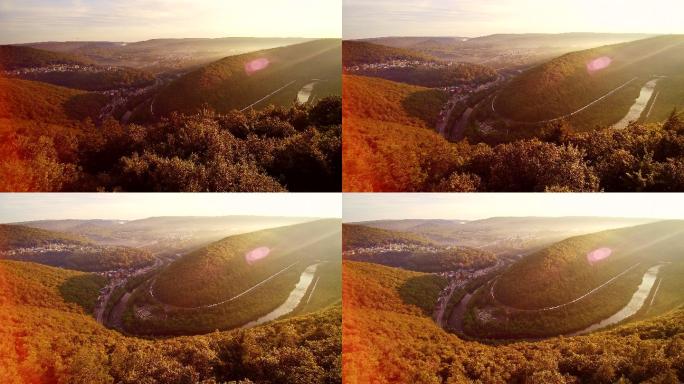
267	96
491	292
151	291
567	115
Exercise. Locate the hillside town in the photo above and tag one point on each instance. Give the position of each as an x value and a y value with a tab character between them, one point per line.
398	64
61	68
51	248
393	247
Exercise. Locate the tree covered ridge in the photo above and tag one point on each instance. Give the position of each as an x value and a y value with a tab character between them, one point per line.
275	149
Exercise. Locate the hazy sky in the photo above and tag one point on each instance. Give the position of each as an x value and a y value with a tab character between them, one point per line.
471	18
471	206
134	20
125	206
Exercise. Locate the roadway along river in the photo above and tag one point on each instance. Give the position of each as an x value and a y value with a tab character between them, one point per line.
639	105
634	305
296	296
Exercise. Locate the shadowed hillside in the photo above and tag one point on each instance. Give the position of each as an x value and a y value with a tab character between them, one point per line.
66	250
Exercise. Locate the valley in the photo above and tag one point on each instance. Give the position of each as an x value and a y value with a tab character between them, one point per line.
95	105
553	299
520	126
291	290
481	294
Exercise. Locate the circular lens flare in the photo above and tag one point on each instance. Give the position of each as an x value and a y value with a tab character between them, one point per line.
256	65
599	64
256	254
599	254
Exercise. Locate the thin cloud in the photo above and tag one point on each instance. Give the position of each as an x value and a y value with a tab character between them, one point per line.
128	20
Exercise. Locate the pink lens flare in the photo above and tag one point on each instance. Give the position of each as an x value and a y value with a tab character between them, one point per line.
256	65
256	254
599	254
598	64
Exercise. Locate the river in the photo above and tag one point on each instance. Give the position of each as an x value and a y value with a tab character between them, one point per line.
296	296
634	305
305	93
639	105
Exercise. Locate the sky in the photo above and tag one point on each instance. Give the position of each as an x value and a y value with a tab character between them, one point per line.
15	207
472	18
473	206
23	21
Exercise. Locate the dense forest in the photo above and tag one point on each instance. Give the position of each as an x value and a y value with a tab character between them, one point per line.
388	338
49	143
47	336
390	145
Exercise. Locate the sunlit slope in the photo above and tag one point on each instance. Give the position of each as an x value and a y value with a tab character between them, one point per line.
573	81
389	141
389	339
66	250
46	336
227	268
274	75
23	283
36	101
569	269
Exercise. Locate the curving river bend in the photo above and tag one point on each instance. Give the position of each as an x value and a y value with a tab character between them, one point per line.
639	105
638	300
296	296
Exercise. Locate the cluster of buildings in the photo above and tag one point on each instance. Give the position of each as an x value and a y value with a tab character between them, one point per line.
61	68
392	247
397	64
50	248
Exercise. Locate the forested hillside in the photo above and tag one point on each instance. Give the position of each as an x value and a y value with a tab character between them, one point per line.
47	336
573	273
359	52
574	80
234	281
48	146
238	82
16	57
389	142
360	236
67	70
389	338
